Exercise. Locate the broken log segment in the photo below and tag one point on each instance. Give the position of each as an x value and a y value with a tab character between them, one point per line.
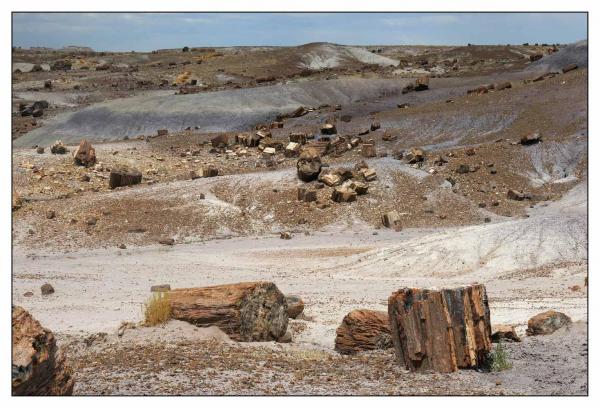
247	311
440	330
363	330
122	176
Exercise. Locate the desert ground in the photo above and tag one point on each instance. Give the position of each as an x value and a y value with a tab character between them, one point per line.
102	248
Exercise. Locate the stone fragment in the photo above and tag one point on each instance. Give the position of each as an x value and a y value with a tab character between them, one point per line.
363	330
295	306
504	333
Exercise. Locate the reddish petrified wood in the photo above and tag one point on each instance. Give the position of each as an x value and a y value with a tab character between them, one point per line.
363	330
440	330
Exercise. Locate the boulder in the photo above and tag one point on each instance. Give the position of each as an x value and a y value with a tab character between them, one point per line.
505	333
47	289
328	129
363	330
58	148
85	154
343	195
38	365
414	155
391	219
441	330
309	165
124	176
531	138
547	323
295	306
249	311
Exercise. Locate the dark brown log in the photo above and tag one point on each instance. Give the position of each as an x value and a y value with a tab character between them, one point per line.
363	330
38	365
441	330
122	176
248	311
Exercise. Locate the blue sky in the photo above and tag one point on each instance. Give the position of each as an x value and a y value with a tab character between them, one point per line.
149	31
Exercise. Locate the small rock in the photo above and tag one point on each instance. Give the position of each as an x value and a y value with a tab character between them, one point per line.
295	306
166	241
47	289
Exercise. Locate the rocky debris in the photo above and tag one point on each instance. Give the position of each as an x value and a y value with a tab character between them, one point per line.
263	132
165	287
162	132
166	241
403	105
328	129
515	195
286	338
248	140
209	171
569	67
375	125
504	333
369	174
61	65
58	148
17	202
295	306
122	246
441	330
91	220
531	138
368	149
249	311
39	367
330	178
363	330
358	186
306	195
220	141
346	118
389	137
308	165
363	132
124	176
391	219
422	83
40	150
343	194
503	85
285	235
297	137
300	111
547	323
322	146
292	149
463	169
47	289
85	154
536	57
28	294
414	155
440	160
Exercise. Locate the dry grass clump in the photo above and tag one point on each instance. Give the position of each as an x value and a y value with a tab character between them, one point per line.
157	309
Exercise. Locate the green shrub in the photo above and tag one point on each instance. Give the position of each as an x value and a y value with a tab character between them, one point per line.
498	359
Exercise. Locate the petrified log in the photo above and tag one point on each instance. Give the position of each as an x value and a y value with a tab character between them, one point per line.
363	330
123	176
248	311
38	365
440	330
85	154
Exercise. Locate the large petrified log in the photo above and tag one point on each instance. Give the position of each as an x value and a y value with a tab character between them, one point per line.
248	311
440	330
38	365
361	330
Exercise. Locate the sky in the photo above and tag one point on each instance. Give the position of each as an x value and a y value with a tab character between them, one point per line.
151	31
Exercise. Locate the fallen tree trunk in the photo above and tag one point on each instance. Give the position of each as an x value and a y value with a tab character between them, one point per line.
249	311
363	330
440	330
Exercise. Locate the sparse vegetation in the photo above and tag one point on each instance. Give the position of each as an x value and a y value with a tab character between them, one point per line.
157	309
498	359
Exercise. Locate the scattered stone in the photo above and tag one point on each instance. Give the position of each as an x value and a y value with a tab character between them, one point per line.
85	154
285	235
40	150
363	330
505	333
330	178
515	195
536	57
328	129
343	194
50	214
58	148
165	287
463	169
358	186
368	149
375	125
122	246
391	219
39	367
363	132
162	132
547	323
292	149
503	85
414	156
531	138
47	289
91	220
470	151
422	83
346	118
295	306
308	165
440	330
123	176
28	294
299	138
166	241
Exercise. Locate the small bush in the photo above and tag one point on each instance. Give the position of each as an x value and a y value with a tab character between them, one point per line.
157	309
498	359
